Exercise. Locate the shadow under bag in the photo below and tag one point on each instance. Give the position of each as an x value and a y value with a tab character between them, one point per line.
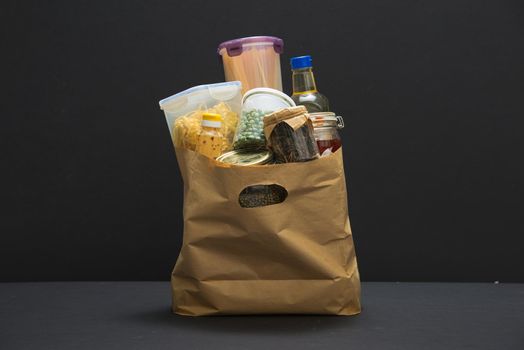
295	257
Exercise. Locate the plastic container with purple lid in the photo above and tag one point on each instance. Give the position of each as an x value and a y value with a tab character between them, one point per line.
255	61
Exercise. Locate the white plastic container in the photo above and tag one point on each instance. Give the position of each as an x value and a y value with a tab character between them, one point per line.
190	104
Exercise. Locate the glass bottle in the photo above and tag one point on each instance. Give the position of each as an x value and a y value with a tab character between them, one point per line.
304	87
210	139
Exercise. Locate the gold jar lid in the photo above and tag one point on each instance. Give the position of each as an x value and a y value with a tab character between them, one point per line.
245	158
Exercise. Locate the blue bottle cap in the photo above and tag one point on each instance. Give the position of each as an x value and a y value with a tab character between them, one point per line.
301	62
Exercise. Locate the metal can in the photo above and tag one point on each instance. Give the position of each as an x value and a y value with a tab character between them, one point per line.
245	158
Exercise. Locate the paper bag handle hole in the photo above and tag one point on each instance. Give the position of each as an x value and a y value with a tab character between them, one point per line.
261	195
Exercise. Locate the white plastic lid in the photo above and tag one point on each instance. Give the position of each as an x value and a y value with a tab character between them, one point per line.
199	94
266	99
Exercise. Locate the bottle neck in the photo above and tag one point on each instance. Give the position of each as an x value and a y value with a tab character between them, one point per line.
303	81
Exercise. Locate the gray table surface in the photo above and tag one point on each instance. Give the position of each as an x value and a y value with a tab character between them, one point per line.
136	315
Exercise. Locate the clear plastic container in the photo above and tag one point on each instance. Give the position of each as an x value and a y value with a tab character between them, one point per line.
255	61
184	112
256	104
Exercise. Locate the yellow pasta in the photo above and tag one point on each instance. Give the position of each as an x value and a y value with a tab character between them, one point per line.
187	128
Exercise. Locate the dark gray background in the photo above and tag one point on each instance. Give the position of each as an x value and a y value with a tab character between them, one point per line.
431	91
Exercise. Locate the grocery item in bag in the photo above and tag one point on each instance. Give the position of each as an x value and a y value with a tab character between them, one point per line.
304	86
210	140
245	158
257	103
289	133
255	61
271	251
326	125
184	112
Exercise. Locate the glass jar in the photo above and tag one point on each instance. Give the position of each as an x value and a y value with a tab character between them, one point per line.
256	104
289	134
326	125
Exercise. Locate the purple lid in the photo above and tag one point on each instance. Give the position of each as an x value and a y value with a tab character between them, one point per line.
235	47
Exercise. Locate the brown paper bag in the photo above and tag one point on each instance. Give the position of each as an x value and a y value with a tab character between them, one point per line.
296	257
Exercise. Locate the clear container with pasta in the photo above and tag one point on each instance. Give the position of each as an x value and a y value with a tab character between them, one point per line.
255	61
184	112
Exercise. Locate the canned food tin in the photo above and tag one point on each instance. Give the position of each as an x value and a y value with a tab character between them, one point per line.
244	158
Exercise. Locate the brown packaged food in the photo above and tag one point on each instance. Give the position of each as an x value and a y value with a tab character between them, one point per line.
290	256
290	135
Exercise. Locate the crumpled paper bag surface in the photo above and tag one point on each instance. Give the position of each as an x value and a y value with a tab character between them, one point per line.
295	257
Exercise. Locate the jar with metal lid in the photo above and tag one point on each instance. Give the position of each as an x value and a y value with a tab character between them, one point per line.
244	158
256	104
326	126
